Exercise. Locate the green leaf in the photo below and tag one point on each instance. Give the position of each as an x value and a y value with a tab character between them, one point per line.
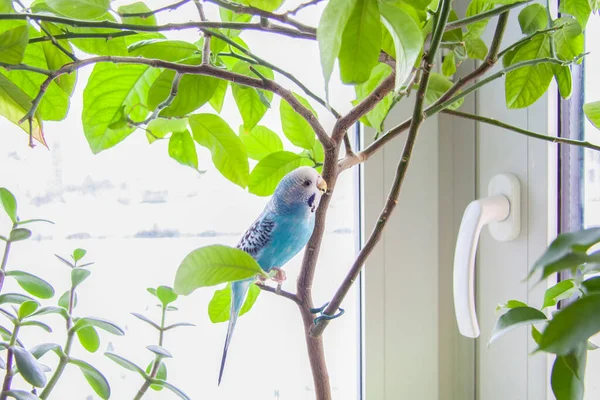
568	373
125	363
562	75
89	339
569	40
160	351
213	265
260	142
533	18
160	374
56	58
294	126
95	379
30	369
267	5
32	284
183	149
147	320
19	234
51	310
9	204
228	152
455	35
536	335
591	285
376	116
63	301
27	308
166	295
220	304
407	37
218	98
158	128
13	298
592	112
568	250
580	9
477	7
78	275
514	318
449	64
38	324
329	33
98	323
137	7
116	46
163	49
248	101
526	85
21	395
438	85
231	16
80	9
562	290
14	104
113	92
13	43
78	254
172	388
572	325
476	48
361	42
271	169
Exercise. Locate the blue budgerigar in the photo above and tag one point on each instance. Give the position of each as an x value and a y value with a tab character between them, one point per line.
279	233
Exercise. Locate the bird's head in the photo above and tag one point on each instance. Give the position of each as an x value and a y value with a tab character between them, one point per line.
299	191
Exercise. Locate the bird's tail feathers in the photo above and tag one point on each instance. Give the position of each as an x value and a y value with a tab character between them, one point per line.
238	294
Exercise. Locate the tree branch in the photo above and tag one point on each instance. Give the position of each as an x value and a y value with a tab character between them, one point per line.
206	32
166	103
150	13
553	139
282	30
392	200
279	292
294	11
484	15
72	35
528	38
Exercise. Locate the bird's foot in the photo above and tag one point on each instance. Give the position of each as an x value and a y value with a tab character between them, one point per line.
280	275
260	278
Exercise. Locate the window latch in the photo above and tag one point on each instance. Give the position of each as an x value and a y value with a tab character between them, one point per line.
501	212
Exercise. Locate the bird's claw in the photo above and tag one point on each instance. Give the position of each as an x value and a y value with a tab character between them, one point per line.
279	277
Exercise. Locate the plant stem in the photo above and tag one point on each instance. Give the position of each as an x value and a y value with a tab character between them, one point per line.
5	258
157	360
9	362
527	39
150	13
525	132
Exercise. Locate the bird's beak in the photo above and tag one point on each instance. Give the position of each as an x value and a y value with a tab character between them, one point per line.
322	185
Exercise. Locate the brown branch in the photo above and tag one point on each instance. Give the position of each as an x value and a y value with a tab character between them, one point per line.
272	28
72	35
294	11
392	200
150	13
206	32
166	103
279	292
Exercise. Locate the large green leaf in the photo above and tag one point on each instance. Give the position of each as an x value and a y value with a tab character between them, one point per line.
375	117
14	104
568	374
94	377
562	290
80	9
514	318
89	339
569	40
592	112
580	9
477	7
220	304
294	126
113	46
564	81
572	325
228	152
31	370
213	265
407	37
252	107
8	203
329	33
271	169
361	42
524	86
183	149
112	93
55	59
260	142
163	49
32	284
438	85
13	43
137	7
533	18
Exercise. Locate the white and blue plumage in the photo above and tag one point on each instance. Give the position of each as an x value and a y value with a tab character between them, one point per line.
279	233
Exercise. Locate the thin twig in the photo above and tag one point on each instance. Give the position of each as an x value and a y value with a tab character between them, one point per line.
484	15
294	11
72	35
392	199
527	39
553	139
56	44
279	292
206	33
150	13
164	104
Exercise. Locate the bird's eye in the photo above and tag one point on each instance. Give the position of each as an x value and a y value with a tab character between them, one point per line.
307	183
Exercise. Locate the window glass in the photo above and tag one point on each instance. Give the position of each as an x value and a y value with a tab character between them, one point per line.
138	213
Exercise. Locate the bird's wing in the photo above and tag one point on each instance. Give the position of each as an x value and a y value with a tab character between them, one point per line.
258	236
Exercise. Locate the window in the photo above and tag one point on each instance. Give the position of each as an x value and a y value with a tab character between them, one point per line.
138	213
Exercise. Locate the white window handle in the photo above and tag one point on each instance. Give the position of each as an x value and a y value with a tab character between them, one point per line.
501	210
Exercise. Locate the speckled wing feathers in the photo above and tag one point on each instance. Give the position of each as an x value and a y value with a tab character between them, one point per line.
257	236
